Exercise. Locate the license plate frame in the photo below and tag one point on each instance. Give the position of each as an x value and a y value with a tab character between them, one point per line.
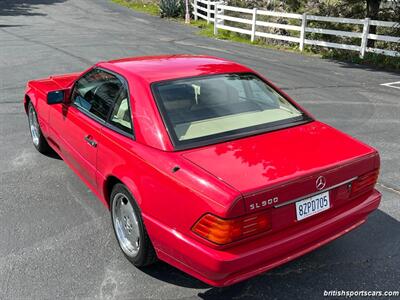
312	206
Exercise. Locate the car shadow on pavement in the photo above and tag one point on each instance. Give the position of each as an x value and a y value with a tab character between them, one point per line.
356	261
23	7
351	65
167	273
53	154
353	262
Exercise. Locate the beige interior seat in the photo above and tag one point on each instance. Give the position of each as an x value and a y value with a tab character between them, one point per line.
122	114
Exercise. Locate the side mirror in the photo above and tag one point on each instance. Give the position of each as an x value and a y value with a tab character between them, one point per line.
55	97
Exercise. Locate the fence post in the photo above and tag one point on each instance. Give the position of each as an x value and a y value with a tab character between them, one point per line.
187	12
216	18
364	39
253	25
303	30
222	13
208	12
195	9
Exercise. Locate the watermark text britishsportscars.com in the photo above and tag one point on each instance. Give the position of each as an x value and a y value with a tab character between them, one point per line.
360	293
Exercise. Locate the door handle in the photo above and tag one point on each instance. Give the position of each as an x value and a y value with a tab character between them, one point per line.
91	142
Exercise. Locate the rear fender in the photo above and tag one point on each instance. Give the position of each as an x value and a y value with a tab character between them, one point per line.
125	180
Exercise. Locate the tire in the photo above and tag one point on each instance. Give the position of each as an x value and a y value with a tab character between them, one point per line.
129	228
38	139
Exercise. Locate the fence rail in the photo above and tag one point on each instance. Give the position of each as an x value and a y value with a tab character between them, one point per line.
215	12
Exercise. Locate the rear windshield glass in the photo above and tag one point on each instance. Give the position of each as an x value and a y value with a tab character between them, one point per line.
202	108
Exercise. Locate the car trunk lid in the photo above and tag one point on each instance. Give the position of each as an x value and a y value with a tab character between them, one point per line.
281	166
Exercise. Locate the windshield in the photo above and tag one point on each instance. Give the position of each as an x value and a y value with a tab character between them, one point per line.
204	108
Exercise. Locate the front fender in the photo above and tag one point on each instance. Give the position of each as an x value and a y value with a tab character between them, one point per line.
39	100
30	96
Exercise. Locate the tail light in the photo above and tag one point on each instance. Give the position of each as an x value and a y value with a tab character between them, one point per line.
223	231
364	182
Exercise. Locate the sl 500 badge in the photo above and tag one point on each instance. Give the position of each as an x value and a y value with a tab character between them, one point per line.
263	203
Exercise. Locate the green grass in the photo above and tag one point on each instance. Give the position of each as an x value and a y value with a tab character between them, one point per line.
149	8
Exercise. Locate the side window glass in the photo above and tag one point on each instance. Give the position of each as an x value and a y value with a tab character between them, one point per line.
96	92
239	88
263	93
121	115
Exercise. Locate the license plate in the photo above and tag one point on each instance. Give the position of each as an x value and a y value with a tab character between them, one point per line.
312	206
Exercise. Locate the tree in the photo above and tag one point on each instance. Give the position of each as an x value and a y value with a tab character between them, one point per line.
372	12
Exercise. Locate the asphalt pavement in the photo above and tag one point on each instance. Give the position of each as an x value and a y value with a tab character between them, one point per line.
56	239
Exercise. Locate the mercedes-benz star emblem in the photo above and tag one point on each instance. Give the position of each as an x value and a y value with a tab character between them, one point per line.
320	182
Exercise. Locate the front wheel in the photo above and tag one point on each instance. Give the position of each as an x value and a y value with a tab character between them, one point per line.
38	139
129	228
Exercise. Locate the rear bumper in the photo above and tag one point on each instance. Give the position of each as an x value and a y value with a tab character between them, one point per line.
222	268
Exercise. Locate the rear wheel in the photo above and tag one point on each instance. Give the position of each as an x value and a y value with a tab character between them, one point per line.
129	228
38	139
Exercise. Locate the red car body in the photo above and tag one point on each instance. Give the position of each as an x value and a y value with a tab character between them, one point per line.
228	179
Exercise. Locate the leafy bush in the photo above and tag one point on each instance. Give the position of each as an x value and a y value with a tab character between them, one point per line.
172	8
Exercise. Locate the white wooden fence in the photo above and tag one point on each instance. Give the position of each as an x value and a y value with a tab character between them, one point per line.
211	10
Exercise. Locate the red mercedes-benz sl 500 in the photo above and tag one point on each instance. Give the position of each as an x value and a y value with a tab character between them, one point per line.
204	163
